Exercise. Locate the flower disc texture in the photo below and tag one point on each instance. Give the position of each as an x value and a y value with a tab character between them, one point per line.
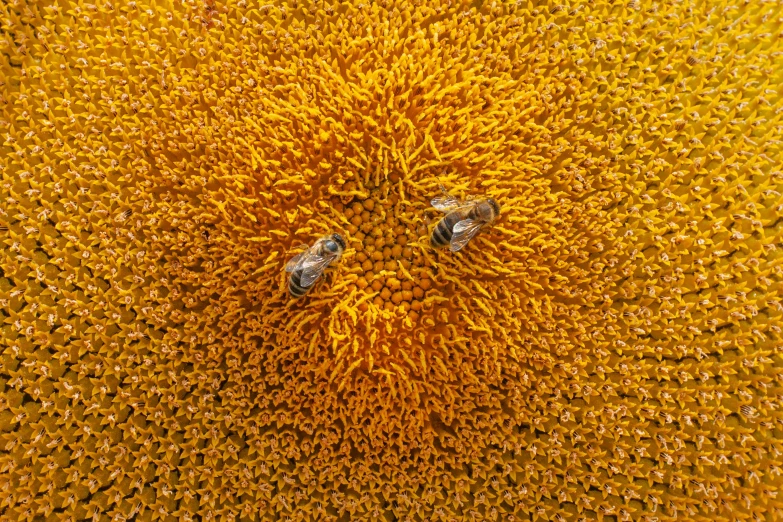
609	348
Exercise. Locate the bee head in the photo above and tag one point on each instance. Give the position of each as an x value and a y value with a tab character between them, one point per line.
338	239
495	206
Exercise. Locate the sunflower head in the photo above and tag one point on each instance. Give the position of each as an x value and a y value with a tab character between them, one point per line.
608	348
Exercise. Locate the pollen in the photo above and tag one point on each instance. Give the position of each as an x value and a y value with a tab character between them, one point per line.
611	347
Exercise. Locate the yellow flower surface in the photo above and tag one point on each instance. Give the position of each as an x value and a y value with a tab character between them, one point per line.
609	349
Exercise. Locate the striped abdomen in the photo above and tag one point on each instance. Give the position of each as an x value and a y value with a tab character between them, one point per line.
294	286
441	236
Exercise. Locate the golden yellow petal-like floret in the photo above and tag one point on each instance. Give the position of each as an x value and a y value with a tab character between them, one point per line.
609	349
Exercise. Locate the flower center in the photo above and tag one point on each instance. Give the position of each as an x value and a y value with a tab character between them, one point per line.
388	234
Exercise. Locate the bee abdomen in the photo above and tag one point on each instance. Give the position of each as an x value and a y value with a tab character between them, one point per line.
294	286
441	235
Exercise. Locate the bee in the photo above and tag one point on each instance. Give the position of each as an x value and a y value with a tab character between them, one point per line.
307	267
462	221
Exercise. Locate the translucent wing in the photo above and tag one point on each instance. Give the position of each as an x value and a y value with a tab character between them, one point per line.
445	203
312	268
291	265
464	232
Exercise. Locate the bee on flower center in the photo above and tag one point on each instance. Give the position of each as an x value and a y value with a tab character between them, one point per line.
308	266
463	220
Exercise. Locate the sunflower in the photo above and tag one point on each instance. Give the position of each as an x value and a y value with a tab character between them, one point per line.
610	348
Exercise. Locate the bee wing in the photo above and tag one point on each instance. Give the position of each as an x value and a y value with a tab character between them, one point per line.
464	232
312	268
291	265
446	203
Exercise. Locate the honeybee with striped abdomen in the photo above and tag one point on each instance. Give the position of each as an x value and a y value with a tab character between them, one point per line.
463	220
308	266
